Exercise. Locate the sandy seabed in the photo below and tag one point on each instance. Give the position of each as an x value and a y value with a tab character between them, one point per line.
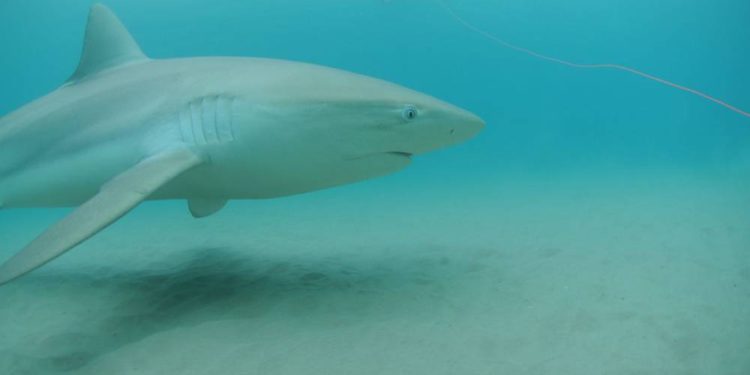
646	273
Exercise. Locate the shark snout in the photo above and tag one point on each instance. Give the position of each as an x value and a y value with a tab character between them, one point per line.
466	125
459	125
447	126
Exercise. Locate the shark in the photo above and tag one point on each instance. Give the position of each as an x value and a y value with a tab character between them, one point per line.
126	128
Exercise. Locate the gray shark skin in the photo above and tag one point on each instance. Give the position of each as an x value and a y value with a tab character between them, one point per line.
126	128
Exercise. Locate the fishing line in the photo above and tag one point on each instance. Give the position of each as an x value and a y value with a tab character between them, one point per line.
623	68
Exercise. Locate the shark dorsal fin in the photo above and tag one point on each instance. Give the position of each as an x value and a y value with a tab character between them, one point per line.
107	44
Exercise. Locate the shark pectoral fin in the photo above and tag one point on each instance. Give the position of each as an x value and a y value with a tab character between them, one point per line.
115	199
205	207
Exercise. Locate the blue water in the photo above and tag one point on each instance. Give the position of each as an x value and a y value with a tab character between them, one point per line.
600	180
541	115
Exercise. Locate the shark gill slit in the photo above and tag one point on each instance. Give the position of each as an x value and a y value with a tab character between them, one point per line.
196	115
224	124
229	104
207	120
216	118
186	127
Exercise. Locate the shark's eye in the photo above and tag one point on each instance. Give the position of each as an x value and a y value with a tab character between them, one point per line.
409	113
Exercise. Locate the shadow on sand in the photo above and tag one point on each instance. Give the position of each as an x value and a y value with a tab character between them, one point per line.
216	284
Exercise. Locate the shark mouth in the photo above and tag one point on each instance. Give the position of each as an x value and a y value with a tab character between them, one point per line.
402	154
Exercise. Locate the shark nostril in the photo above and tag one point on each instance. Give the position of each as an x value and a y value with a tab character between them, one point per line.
452	131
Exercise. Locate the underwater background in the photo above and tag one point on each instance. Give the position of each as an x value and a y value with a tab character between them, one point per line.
599	224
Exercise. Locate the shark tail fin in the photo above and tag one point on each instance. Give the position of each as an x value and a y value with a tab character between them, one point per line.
107	44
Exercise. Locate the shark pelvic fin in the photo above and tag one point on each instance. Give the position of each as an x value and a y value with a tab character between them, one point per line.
205	207
115	199
107	44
